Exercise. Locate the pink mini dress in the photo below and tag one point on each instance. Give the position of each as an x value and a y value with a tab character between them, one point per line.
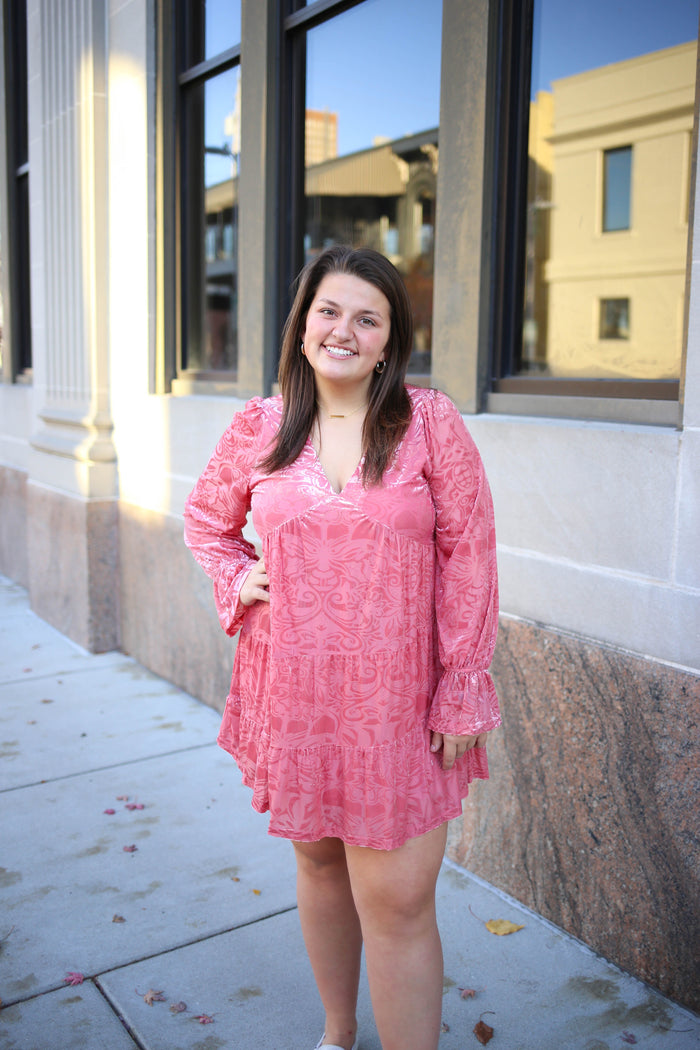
380	628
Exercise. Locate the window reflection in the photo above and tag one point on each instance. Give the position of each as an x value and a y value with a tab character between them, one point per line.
212	154
214	26
617	188
610	125
371	142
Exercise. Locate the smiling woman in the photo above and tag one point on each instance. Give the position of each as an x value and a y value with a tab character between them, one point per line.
361	699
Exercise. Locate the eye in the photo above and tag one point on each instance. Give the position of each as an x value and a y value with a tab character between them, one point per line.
367	321
326	310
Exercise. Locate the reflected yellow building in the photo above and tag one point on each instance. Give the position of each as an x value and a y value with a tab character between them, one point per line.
609	300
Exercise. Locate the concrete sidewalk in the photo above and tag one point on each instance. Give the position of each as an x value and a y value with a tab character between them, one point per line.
180	890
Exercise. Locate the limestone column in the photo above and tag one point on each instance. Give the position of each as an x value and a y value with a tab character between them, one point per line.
72	485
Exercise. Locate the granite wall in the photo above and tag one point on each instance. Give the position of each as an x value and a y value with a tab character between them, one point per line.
591	814
72	552
168	617
13	525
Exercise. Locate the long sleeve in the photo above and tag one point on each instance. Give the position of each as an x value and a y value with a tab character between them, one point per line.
216	511
466	586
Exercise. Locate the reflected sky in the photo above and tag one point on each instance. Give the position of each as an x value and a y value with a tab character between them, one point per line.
572	37
368	65
378	67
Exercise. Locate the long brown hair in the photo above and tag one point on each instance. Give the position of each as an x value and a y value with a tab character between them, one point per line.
389	410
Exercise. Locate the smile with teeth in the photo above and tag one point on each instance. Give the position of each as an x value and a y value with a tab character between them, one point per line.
338	351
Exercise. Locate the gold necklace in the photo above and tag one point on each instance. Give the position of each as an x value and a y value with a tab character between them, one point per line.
340	415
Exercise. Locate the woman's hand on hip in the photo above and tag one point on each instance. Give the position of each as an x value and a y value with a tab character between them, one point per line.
453	747
255	586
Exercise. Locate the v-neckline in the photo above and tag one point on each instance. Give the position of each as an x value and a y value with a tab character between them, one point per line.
319	464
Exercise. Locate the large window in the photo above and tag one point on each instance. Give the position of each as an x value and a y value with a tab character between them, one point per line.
15	298
367	110
591	248
208	34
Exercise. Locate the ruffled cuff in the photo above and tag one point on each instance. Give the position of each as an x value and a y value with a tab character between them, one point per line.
227	589
465	704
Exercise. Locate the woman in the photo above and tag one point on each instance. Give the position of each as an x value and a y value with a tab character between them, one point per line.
360	700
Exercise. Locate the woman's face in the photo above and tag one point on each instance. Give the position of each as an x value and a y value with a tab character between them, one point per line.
347	331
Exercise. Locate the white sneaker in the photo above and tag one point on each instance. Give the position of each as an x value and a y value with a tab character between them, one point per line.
320	1045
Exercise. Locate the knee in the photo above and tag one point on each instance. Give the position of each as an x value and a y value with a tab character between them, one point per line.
397	910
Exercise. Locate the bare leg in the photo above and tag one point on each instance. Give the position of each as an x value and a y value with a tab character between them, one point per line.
332	933
394	891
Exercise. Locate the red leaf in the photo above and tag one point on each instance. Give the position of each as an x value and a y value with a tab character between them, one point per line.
134	805
130	849
467	993
483	1031
110	812
152	997
204	1019
122	798
73	978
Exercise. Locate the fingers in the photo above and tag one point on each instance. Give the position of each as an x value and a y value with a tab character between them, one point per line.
255	586
453	747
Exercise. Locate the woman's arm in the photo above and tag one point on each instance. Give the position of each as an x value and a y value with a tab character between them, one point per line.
216	512
465	705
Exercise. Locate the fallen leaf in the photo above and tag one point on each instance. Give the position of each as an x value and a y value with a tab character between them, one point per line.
444	1027
502	926
118	918
257	892
234	878
204	1019
130	849
467	993
628	1037
73	978
122	798
45	701
483	1032
110	812
178	1008
31	722
152	997
134	805
6	935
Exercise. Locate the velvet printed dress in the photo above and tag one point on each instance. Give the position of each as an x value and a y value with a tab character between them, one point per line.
380	628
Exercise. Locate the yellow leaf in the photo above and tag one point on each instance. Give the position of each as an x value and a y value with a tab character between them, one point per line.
502	927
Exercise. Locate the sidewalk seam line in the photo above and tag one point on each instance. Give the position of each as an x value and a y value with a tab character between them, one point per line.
93	977
102	769
122	1020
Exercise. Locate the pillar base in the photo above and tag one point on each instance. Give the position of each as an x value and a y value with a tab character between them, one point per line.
73	556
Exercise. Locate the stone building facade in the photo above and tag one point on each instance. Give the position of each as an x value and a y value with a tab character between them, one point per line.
591	813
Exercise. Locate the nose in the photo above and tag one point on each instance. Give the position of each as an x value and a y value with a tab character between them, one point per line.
341	328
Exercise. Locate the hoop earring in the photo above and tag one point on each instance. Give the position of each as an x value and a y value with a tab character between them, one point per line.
302	349
379	370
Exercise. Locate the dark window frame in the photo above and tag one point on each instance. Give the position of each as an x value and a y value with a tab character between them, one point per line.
511	58
17	337
174	222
